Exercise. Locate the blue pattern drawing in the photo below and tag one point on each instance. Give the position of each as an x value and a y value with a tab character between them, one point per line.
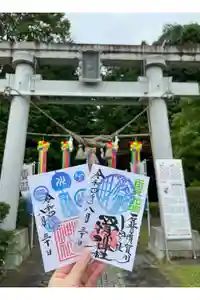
52	223
115	194
68	207
79	197
79	176
56	212
40	193
60	181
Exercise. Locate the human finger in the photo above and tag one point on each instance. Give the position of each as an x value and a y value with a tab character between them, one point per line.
98	270
63	271
80	267
90	269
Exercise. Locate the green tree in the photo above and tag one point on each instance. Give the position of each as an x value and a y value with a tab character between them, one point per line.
46	28
112	117
185	122
186	137
180	35
37	27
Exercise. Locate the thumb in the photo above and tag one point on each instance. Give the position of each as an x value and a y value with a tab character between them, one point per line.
78	270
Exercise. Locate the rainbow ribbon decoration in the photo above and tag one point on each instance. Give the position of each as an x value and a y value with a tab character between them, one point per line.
135	148
67	148
90	152
43	149
113	146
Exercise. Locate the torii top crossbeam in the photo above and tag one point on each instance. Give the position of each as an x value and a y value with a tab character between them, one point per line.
77	92
115	55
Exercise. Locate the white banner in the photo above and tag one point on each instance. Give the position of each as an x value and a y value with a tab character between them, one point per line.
28	170
173	199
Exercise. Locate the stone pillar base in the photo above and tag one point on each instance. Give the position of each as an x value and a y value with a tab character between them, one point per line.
177	249
19	249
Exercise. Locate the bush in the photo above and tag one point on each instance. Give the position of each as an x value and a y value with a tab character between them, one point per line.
195	183
194	206
154	210
5	236
193	194
5	239
4	210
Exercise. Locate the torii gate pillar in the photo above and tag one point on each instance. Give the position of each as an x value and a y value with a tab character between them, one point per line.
157	113
16	138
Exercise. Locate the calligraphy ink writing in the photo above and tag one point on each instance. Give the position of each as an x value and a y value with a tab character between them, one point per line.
139	184
132	225
48	215
136	204
105	234
88	214
83	231
126	239
95	180
48	210
46	242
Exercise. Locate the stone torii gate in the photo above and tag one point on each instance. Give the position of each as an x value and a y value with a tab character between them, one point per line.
155	88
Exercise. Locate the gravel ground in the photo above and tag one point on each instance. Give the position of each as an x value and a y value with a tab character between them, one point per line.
31	274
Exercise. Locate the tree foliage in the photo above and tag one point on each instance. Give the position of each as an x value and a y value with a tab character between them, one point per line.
83	119
186	137
37	27
180	35
45	28
185	121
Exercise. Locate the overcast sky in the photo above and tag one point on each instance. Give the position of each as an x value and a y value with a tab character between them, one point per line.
125	28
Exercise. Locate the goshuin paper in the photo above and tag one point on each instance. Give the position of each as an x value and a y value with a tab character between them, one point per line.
57	199
112	214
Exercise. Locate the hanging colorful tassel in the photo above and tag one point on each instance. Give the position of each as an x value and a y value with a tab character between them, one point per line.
135	148
114	152
67	148
111	153
43	149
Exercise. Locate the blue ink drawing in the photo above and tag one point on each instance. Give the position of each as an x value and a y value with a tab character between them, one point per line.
60	181
115	193
52	224
79	197
68	207
79	176
40	193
